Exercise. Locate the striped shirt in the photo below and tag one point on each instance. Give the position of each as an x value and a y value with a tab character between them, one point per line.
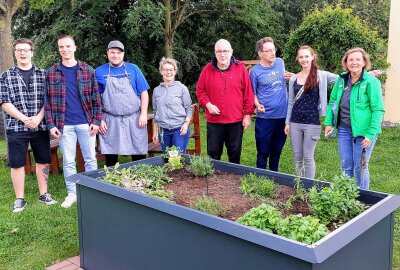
55	98
28	99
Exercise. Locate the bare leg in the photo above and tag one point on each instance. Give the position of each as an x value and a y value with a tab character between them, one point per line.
18	180
42	174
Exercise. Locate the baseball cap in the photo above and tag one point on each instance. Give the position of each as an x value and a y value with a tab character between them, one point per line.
116	44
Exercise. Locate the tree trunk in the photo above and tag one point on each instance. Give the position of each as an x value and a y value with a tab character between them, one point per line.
169	35
7	11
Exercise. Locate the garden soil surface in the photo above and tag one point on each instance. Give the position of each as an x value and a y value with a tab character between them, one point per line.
224	187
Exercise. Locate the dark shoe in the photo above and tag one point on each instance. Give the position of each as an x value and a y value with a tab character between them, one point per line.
19	205
47	199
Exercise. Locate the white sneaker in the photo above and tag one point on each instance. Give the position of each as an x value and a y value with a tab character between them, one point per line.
69	200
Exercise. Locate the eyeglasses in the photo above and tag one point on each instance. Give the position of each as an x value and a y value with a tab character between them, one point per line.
168	70
23	50
224	52
269	51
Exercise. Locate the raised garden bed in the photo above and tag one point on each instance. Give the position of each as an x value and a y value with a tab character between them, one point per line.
121	229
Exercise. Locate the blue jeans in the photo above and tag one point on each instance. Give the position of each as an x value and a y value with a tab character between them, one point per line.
69	137
270	139
172	137
350	152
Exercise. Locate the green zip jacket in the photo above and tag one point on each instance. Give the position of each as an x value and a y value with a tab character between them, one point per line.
366	105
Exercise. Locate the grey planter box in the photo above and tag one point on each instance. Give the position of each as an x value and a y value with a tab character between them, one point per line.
122	229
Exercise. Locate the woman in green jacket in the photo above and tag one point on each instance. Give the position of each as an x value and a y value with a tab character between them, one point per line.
356	110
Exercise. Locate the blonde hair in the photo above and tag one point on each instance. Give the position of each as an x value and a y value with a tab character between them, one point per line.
170	61
364	54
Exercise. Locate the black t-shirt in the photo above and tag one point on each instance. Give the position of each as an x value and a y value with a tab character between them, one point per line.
26	75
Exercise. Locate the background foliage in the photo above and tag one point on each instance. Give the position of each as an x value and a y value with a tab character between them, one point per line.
141	26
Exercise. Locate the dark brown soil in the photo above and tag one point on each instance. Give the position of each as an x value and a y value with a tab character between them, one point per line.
224	187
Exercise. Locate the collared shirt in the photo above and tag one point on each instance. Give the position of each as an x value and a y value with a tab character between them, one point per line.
28	99
55	98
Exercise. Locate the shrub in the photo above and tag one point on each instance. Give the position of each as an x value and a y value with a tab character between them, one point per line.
209	205
201	166
257	186
331	32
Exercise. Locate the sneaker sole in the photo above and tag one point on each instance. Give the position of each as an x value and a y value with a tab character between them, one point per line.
49	203
19	209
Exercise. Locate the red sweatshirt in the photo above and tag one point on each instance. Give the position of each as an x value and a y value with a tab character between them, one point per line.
230	90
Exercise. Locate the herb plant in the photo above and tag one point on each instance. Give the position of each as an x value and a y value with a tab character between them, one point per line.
175	159
257	186
142	178
209	205
264	217
201	166
337	203
303	229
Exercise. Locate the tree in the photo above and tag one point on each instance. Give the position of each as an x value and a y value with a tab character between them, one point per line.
331	32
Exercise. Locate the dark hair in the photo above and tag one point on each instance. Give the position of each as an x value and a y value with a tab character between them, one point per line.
23	41
312	78
65	36
260	43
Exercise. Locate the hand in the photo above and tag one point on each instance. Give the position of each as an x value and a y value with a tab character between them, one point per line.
377	72
260	108
287	75
142	120
55	133
328	130
246	122
93	129
212	109
32	122
365	143
155	138
184	128
103	127
286	129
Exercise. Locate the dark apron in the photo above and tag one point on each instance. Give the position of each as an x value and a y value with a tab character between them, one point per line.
121	111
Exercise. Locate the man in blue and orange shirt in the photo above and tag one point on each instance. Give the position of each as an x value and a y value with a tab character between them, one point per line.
73	111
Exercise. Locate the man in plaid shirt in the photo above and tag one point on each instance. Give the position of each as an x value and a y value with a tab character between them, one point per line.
21	98
72	111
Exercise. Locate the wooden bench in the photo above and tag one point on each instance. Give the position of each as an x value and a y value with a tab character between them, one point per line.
55	160
194	134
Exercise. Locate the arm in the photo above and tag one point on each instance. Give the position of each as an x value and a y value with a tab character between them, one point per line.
374	93
329	113
96	101
248	99
290	99
144	104
187	104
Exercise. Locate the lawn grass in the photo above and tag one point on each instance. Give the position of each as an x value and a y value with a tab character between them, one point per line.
42	235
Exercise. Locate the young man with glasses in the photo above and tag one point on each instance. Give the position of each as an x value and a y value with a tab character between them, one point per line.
125	99
224	90
22	99
73	111
269	84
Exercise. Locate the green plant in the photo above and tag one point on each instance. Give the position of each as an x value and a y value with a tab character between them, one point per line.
264	217
209	205
201	166
305	229
175	159
141	178
162	194
257	186
337	203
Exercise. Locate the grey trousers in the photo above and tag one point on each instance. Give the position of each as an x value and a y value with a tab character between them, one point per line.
304	139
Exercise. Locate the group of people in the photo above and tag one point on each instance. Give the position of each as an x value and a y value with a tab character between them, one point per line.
73	102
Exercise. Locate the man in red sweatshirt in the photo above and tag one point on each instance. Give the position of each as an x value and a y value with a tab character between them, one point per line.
224	90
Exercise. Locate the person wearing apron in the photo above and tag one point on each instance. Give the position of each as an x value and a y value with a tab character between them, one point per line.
123	130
